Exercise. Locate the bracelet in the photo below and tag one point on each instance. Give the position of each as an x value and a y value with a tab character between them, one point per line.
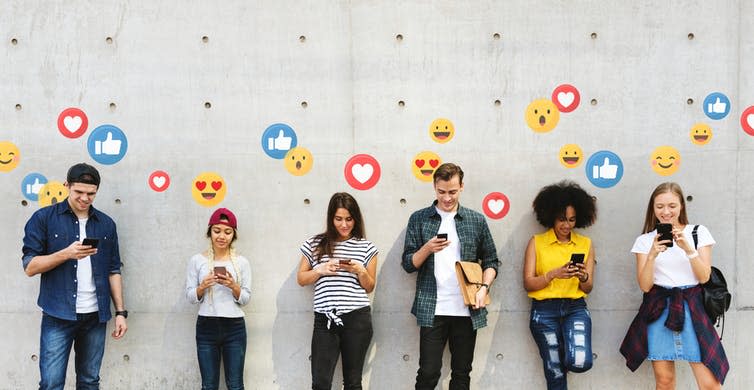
694	255
485	285
585	280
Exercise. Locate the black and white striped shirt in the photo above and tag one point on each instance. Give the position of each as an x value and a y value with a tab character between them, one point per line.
341	292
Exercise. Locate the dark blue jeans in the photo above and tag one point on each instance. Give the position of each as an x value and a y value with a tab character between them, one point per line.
86	335
562	329
460	336
219	338
351	341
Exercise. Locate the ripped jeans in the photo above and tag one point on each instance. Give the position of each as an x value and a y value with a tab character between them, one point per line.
562	329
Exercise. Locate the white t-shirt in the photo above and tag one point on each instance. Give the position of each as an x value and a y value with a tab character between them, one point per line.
672	267
86	292
449	298
221	303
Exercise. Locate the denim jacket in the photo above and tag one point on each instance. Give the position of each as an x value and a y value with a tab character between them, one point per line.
55	227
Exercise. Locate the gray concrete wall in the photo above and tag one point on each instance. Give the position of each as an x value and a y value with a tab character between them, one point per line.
189	105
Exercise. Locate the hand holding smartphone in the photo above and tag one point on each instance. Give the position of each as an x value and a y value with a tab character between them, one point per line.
665	230
220	271
91	242
442	236
344	261
577	258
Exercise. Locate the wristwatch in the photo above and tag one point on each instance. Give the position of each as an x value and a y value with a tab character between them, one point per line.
123	313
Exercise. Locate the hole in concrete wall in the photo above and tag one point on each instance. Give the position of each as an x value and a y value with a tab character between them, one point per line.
304	104
399	37
126	358
401	103
117	200
310	358
691	36
18	107
496	36
594	35
205	39
109	40
307	201
207	105
689	198
594	356
498	102
499	356
406	357
24	203
302	39
403	201
14	41
112	106
34	358
594	102
689	101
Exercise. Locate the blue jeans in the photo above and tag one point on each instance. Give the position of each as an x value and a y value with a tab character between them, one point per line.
350	341
219	338
562	329
460	336
86	335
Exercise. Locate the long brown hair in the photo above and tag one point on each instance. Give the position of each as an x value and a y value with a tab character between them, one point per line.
650	220
328	239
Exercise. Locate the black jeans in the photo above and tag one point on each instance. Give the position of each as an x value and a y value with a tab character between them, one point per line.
350	340
461	338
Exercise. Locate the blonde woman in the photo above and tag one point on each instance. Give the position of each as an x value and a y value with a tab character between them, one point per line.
219	281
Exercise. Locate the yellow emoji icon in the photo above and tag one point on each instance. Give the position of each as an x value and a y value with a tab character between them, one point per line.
542	115
52	192
9	156
570	155
665	160
424	164
701	134
298	161
208	189
441	130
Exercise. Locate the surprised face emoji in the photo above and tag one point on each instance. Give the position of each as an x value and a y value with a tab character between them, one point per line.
298	161
542	115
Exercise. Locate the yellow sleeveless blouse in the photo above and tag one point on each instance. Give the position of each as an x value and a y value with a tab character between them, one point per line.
552	254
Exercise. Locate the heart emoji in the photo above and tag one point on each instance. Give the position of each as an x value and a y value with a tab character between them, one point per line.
201	185
566	98
217	185
72	123
434	163
496	205
159	181
362	173
419	163
750	120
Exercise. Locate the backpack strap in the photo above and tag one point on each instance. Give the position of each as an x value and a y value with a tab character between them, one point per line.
696	236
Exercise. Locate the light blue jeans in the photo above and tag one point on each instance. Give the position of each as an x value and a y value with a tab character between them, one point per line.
86	335
562	329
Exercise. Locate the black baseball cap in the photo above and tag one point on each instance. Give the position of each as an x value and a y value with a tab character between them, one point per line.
83	173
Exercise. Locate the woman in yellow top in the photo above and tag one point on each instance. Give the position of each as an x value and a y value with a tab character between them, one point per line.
558	274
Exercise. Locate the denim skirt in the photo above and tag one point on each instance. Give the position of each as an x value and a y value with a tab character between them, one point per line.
666	344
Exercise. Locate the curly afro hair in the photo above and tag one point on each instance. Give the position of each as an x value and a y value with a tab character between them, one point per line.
553	200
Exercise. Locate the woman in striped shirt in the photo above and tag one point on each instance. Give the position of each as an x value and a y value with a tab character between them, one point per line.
342	265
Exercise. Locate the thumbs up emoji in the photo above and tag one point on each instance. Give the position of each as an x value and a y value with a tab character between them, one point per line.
717	107
109	146
606	171
280	143
33	189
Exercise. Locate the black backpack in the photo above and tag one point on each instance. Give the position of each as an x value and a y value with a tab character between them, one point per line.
715	293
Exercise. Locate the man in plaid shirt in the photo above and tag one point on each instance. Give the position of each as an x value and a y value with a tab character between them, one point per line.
438	304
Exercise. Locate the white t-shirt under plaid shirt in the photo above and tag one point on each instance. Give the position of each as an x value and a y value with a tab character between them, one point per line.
339	294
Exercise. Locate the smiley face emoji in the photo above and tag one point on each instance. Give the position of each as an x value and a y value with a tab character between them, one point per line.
423	165
701	134
298	161
9	156
570	155
52	192
542	115
441	130
665	160
208	189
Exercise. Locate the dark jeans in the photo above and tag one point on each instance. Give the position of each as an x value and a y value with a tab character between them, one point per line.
461	338
219	338
350	340
86	335
562	329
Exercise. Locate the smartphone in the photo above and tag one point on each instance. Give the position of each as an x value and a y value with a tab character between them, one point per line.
577	258
344	261
665	230
91	241
442	236
220	271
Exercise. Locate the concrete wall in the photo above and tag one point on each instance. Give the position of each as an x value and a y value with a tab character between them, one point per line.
189	105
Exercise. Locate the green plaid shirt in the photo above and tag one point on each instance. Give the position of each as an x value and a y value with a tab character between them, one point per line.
476	244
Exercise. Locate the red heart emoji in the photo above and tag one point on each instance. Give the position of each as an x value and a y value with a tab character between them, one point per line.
217	185
200	185
419	163
434	163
